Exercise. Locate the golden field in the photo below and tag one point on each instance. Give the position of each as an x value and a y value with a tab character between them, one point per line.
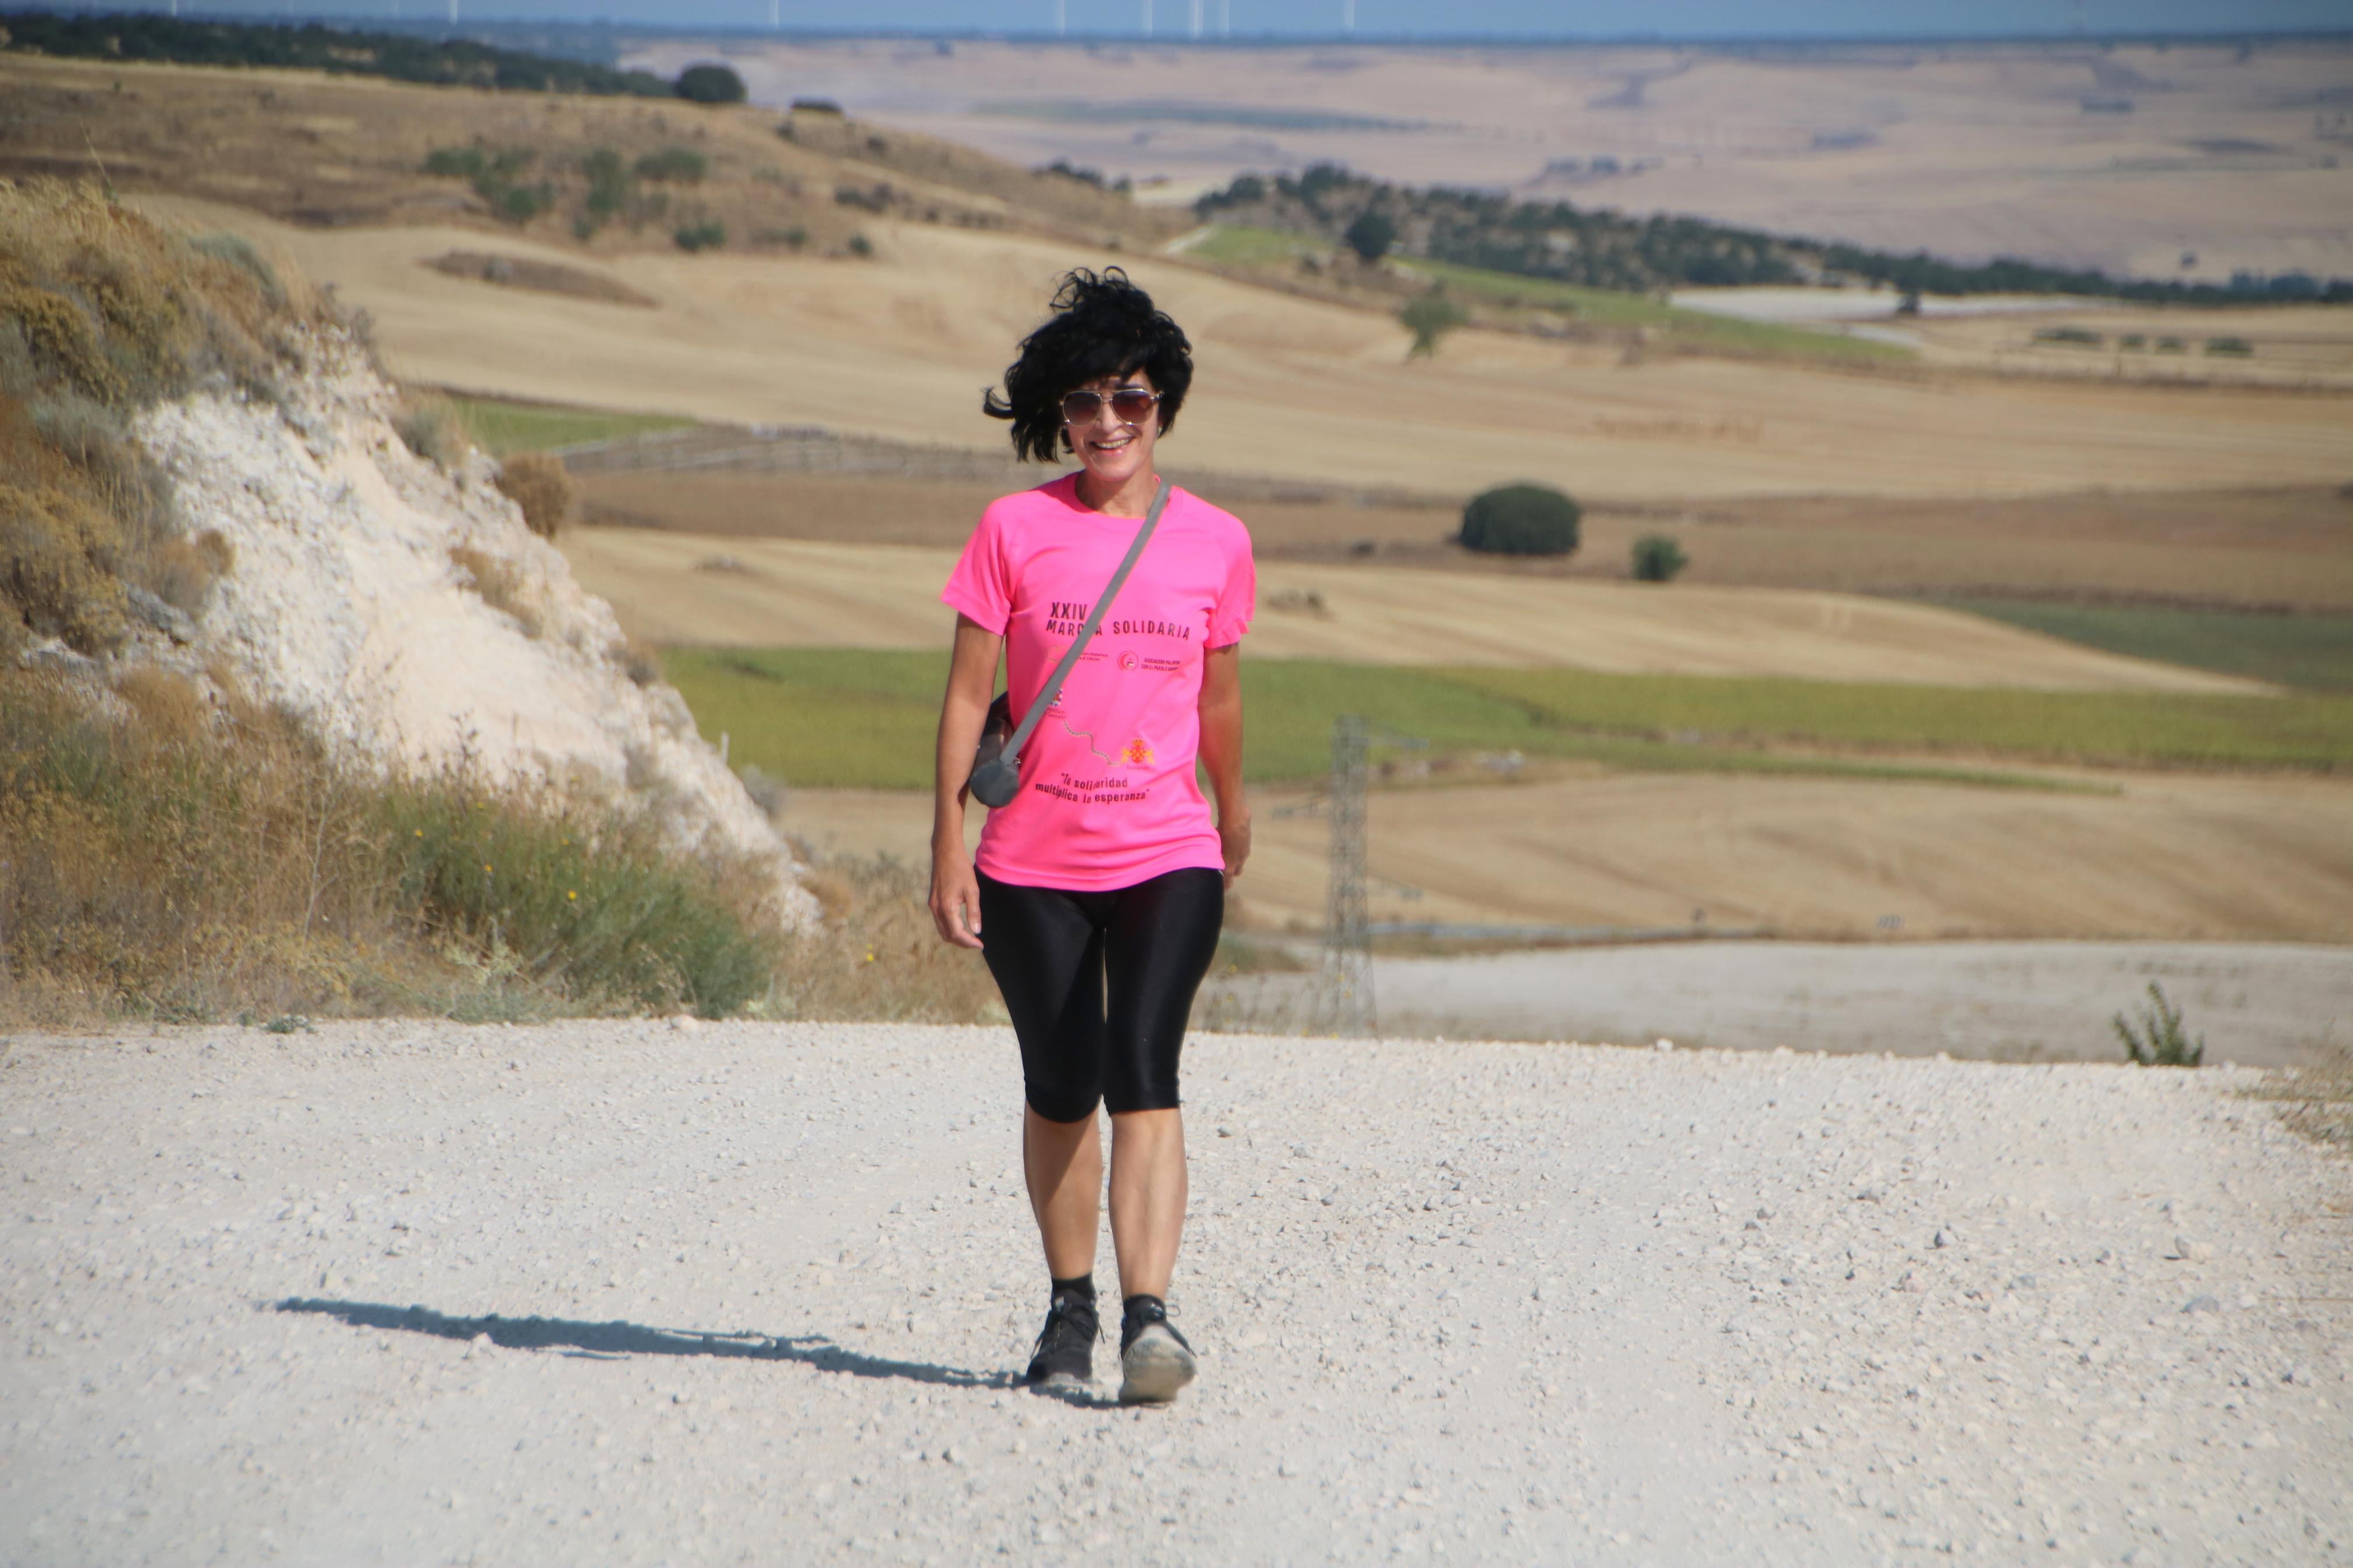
672	587
902	346
2173	857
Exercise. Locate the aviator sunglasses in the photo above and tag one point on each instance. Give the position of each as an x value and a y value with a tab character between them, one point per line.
1129	404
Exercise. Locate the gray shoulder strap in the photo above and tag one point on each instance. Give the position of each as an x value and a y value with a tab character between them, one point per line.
1053	687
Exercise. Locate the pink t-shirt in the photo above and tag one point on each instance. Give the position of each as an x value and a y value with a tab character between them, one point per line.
1108	795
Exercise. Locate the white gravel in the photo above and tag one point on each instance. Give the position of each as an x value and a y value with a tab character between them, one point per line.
762	1289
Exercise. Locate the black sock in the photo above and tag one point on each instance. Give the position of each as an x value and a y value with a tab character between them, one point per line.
1083	1288
1127	1309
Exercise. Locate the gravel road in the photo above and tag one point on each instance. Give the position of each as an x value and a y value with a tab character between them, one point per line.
761	1290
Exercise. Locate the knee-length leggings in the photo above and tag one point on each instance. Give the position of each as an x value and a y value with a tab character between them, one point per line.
1099	984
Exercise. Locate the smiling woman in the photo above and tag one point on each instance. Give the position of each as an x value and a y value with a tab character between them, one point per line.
1100	880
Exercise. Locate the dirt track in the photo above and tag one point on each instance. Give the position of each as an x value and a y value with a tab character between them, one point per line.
761	1290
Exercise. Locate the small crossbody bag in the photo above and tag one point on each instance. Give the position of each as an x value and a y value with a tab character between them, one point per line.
997	762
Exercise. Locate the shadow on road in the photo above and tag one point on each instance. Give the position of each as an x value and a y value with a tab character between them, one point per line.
620	1338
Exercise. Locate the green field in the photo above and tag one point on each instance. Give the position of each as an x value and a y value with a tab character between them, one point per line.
853	718
1241	245
1692	329
2311	651
500	427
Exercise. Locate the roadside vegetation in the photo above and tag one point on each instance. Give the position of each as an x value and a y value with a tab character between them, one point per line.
2312	651
172	849
860	718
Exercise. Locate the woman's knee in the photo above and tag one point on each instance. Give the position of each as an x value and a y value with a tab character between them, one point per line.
1061	1102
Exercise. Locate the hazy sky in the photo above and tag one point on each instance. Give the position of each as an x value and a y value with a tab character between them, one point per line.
1375	18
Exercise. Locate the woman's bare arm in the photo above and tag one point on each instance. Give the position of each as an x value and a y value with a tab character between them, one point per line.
1221	751
971	683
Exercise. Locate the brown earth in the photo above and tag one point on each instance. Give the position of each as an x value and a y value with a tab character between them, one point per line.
773	593
2289	549
2172	856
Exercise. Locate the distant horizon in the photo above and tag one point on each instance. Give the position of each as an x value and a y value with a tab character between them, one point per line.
433	14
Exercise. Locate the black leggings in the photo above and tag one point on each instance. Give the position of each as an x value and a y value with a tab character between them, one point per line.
1053	950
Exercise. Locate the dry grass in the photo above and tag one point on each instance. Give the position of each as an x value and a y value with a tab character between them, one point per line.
181	861
102	312
2167	858
500	584
877	956
431	429
536	483
318	150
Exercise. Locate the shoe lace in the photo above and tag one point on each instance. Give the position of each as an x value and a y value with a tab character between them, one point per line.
1062	1322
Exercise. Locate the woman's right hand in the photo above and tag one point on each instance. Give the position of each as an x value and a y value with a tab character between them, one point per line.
955	898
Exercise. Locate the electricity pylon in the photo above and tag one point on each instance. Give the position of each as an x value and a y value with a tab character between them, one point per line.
1343	992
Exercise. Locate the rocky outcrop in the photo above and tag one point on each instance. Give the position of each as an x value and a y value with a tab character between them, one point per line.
406	615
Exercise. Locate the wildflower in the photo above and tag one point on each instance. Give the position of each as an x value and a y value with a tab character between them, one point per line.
571	893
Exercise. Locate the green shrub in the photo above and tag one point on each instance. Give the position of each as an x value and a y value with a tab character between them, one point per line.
2171	346
1371	235
610	185
705	233
709	84
181	861
2068	337
682	164
2236	348
1521	520
1658	559
1429	318
2159	1041
431	429
457	162
861	247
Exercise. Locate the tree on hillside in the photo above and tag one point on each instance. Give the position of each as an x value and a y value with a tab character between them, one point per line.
1371	235
709	84
1522	520
1429	318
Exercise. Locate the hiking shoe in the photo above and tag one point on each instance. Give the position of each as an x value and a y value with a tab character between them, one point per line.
1065	1351
1154	1360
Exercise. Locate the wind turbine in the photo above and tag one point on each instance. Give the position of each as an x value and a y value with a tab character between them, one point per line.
1197	17
1148	18
1348	16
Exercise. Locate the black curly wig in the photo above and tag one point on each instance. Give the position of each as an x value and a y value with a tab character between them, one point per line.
1102	325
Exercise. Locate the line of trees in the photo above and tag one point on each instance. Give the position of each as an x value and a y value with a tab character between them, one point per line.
1603	248
402	56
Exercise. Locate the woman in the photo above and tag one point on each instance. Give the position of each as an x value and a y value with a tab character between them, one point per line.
1099	887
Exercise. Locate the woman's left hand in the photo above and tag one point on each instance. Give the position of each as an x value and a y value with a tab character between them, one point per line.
1234	841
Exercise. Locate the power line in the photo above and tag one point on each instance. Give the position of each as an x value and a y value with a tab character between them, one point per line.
1343	992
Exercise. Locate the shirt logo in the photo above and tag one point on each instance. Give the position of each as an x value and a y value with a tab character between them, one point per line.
1128	661
1137	753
